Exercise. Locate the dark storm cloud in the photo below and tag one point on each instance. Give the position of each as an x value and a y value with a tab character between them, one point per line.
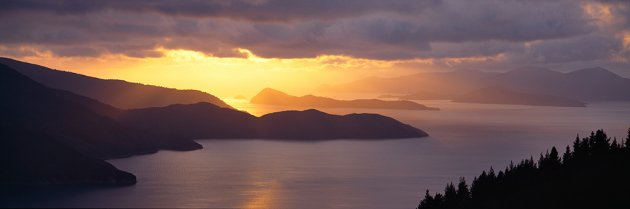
254	10
584	48
524	31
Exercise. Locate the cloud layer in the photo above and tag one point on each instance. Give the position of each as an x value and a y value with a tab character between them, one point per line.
521	32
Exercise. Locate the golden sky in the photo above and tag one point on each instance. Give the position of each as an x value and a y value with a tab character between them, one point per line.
238	48
225	77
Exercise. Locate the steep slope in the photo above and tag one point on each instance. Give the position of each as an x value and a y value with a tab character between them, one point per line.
41	133
270	96
118	93
76	121
35	159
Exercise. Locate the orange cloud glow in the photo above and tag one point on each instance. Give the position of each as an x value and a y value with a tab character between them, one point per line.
228	77
225	77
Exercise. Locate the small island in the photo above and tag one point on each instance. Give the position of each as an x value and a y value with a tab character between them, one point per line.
51	136
207	121
270	96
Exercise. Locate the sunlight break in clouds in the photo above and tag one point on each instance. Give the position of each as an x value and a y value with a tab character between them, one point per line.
223	76
239	46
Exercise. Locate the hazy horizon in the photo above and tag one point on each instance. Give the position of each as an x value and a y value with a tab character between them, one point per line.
489	104
313	89
241	46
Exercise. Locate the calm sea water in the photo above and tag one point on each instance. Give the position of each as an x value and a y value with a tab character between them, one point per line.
465	139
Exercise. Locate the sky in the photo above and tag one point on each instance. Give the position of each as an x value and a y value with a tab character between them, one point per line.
237	47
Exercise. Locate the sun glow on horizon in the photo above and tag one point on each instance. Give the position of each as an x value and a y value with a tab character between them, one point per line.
221	76
227	77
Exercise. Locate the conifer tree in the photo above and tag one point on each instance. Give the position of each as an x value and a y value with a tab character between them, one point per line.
427	202
450	193
566	156
595	163
463	193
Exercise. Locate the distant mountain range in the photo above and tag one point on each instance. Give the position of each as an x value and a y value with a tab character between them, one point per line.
270	96
52	136
121	94
496	95
586	85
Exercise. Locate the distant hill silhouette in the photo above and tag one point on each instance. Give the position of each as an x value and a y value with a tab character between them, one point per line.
207	121
121	94
497	95
192	121
53	136
587	85
313	124
274	97
591	84
593	174
82	123
430	85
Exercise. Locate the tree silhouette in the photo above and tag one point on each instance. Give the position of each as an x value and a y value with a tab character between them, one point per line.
593	175
427	202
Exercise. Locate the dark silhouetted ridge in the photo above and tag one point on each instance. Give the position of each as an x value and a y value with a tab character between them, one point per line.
46	139
36	159
207	121
52	136
192	121
118	93
313	124
82	123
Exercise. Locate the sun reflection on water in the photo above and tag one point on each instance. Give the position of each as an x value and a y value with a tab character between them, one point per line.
264	195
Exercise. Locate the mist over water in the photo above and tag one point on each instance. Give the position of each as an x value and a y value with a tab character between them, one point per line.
465	139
